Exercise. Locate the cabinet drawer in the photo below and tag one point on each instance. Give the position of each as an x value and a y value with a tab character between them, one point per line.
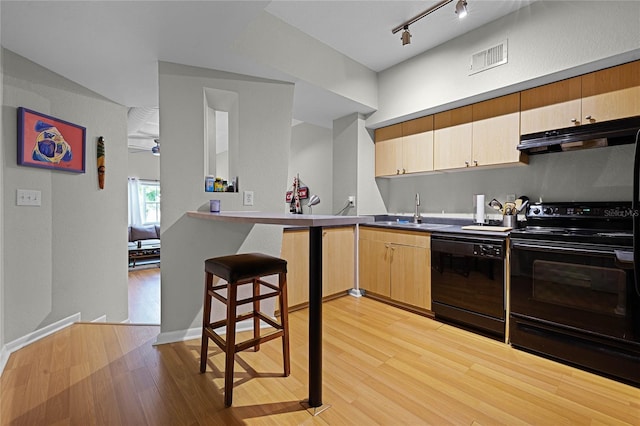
393	236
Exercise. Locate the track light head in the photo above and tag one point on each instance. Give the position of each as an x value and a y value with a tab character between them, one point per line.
461	9
406	36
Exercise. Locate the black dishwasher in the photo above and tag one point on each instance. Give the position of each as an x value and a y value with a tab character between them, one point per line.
467	283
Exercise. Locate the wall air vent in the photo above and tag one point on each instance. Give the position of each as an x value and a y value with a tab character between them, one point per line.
489	58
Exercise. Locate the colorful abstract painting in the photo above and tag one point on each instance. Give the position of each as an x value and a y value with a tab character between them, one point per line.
50	143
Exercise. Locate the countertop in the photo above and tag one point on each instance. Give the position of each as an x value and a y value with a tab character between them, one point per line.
434	226
280	218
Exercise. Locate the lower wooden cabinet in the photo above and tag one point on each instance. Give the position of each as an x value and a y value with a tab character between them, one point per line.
396	265
338	262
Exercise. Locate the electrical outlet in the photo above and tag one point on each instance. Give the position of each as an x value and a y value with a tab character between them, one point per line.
247	199
352	200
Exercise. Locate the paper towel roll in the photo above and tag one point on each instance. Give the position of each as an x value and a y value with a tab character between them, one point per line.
479	208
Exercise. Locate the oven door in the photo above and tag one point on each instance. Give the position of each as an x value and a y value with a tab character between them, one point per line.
576	286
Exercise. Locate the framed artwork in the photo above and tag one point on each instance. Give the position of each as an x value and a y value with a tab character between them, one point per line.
50	143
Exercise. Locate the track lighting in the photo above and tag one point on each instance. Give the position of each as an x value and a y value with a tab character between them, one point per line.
461	8
461	11
406	36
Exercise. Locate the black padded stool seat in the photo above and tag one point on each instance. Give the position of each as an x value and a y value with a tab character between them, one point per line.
239	267
237	270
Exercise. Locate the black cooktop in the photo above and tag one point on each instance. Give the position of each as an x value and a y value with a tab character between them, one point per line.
608	223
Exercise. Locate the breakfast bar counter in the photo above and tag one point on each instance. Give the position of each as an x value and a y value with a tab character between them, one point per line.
315	224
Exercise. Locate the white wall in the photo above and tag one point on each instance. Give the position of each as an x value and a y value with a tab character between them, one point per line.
547	41
68	256
264	109
3	354
144	165
311	157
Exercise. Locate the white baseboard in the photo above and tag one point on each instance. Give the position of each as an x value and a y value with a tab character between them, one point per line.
196	333
103	318
23	341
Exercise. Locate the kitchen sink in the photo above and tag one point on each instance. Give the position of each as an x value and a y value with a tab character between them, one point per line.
423	225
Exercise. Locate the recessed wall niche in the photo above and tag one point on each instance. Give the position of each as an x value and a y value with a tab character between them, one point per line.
220	133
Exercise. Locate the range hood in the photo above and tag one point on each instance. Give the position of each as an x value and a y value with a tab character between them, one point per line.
606	133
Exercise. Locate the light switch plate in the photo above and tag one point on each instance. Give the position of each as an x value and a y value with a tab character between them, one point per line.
247	198
28	197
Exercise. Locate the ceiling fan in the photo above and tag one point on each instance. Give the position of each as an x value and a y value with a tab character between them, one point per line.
145	147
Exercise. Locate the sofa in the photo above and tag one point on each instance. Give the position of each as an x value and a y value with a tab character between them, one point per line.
144	244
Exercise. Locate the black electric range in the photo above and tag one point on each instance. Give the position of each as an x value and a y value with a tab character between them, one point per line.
573	297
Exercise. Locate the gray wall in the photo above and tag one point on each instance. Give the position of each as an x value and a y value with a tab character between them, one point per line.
69	255
264	109
311	157
143	165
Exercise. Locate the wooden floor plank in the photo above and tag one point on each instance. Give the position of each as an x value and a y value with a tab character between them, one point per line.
382	366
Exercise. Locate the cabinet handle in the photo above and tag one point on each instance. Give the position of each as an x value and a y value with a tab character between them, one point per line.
404	171
466	163
397	171
475	163
589	118
575	121
324	233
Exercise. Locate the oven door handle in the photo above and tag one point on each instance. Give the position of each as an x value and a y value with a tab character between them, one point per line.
594	250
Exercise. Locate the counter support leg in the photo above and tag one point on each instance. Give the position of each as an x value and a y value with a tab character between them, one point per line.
315	405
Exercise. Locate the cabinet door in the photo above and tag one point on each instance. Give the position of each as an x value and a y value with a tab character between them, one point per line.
417	152
374	266
417	145
611	93
496	131
295	250
452	139
410	275
338	260
552	106
388	150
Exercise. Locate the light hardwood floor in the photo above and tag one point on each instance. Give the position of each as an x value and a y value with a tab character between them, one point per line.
144	295
382	365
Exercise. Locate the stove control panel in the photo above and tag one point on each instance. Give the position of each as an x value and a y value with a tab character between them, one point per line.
595	210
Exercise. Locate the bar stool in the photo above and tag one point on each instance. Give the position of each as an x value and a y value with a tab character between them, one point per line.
237	270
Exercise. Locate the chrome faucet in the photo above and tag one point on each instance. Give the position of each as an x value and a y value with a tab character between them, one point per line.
416	216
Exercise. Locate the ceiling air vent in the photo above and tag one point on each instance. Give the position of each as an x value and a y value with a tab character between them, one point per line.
489	58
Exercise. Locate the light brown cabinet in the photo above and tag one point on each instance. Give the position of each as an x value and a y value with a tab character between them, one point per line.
396	265
599	96
405	147
338	262
483	134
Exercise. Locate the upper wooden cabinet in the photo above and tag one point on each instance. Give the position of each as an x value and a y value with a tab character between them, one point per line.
405	147
603	95
496	131
483	134
611	93
452	138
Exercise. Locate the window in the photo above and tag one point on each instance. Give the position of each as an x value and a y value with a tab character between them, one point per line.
149	201
144	202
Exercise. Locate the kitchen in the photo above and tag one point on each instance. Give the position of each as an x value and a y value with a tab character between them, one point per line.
601	174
